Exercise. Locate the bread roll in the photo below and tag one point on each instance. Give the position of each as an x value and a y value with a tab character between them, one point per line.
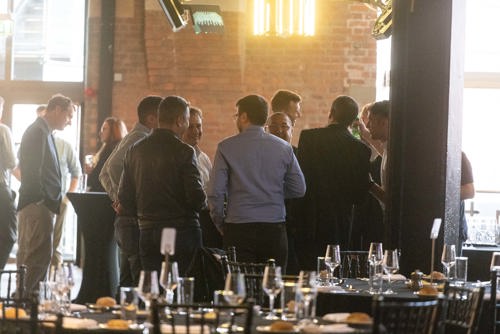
10	313
358	317
105	302
117	324
428	290
281	326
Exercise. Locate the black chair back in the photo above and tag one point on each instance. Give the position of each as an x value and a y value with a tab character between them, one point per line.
402	317
354	264
20	316
201	318
13	279
461	309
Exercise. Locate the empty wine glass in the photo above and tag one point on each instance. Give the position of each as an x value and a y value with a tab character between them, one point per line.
332	258
375	258
272	283
306	288
235	290
148	287
448	258
169	278
234	294
391	266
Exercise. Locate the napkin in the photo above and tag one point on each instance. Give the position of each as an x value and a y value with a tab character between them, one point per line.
336	317
77	308
77	323
181	329
334	328
395	277
334	288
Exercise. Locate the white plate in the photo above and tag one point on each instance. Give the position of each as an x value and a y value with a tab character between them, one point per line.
336	317
267	329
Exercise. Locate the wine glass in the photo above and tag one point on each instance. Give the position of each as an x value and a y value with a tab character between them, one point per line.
332	258
375	258
448	258
306	286
272	283
391	266
148	287
169	278
234	289
234	294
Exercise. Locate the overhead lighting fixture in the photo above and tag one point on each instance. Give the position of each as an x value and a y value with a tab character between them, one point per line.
284	17
174	11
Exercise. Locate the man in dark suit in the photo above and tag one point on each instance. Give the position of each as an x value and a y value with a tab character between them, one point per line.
336	167
40	192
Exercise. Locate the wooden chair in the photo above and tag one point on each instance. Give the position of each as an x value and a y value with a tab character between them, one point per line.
354	264
403	317
460	309
494	305
20	316
14	279
200	318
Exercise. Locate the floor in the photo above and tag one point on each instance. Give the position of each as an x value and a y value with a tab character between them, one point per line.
74	291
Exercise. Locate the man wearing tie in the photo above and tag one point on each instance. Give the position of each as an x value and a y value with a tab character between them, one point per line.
40	191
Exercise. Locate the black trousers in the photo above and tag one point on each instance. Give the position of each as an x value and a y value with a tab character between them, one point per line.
127	237
258	242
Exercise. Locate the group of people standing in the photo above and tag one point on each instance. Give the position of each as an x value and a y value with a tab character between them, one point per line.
262	195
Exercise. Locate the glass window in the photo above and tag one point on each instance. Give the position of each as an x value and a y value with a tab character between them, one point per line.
482	52
48	40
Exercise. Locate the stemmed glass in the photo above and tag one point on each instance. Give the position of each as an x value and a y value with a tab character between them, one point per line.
448	258
332	258
391	266
234	294
307	289
169	278
272	283
60	282
375	258
148	287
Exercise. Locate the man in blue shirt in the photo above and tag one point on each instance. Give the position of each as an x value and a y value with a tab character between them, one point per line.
254	172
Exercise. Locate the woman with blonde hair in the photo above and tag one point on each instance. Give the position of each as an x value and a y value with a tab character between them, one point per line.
112	132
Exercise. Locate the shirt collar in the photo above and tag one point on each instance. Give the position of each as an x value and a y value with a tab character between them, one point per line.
141	127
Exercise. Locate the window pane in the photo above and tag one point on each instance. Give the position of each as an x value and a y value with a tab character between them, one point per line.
49	40
480	128
481	33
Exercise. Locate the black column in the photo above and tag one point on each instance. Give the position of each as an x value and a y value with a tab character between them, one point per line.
105	90
425	130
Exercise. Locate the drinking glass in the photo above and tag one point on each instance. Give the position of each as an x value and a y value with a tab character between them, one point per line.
375	258
169	278
448	258
306	287
332	258
235	291
272	283
148	287
391	266
61	288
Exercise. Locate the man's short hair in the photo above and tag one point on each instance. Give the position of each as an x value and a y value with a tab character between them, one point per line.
256	108
281	99
171	108
194	111
381	109
59	100
344	110
148	106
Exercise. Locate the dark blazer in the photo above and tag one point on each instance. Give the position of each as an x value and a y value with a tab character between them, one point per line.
40	171
161	181
336	168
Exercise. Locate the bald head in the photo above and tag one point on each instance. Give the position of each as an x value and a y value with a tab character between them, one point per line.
280	125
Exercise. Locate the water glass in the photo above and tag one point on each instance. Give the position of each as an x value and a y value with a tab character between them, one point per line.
128	303
307	291
332	258
375	258
148	286
272	284
82	183
390	265
288	299
324	275
185	290
461	270
45	298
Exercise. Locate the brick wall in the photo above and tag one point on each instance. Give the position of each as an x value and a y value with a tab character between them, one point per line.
213	71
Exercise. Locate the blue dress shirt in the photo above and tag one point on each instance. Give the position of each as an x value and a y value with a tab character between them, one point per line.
254	171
